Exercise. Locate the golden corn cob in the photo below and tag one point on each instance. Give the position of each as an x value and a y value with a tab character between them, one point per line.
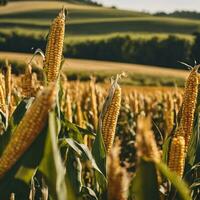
176	161
2	100
110	119
35	84
145	140
28	129
54	47
189	105
2	83
27	82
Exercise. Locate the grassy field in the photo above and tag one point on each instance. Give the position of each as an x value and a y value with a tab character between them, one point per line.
91	22
83	69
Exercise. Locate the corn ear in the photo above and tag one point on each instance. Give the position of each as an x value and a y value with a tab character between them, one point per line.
2	100
54	47
27	82
109	121
189	105
28	129
176	160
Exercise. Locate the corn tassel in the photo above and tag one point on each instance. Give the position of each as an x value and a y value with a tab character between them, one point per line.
110	119
176	160
54	47
28	129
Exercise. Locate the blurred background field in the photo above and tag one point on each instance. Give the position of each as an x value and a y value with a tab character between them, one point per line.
95	32
77	69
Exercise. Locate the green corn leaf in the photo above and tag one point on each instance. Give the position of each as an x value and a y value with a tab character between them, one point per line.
73	173
99	152
88	193
84	153
71	130
166	148
71	194
25	174
82	130
51	165
145	185
14	121
20	175
176	181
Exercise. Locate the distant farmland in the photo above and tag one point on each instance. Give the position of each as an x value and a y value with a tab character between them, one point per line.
91	22
83	69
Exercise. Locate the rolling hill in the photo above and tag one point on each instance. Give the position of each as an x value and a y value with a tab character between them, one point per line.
83	69
94	22
89	21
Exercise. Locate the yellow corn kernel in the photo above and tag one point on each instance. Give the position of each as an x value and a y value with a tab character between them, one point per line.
189	105
110	119
176	161
28	129
54	47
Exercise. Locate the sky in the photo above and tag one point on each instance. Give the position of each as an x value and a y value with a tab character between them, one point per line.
154	5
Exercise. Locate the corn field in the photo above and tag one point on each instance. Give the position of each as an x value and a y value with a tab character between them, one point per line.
65	140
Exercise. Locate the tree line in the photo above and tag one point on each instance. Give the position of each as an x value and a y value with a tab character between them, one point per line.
168	52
